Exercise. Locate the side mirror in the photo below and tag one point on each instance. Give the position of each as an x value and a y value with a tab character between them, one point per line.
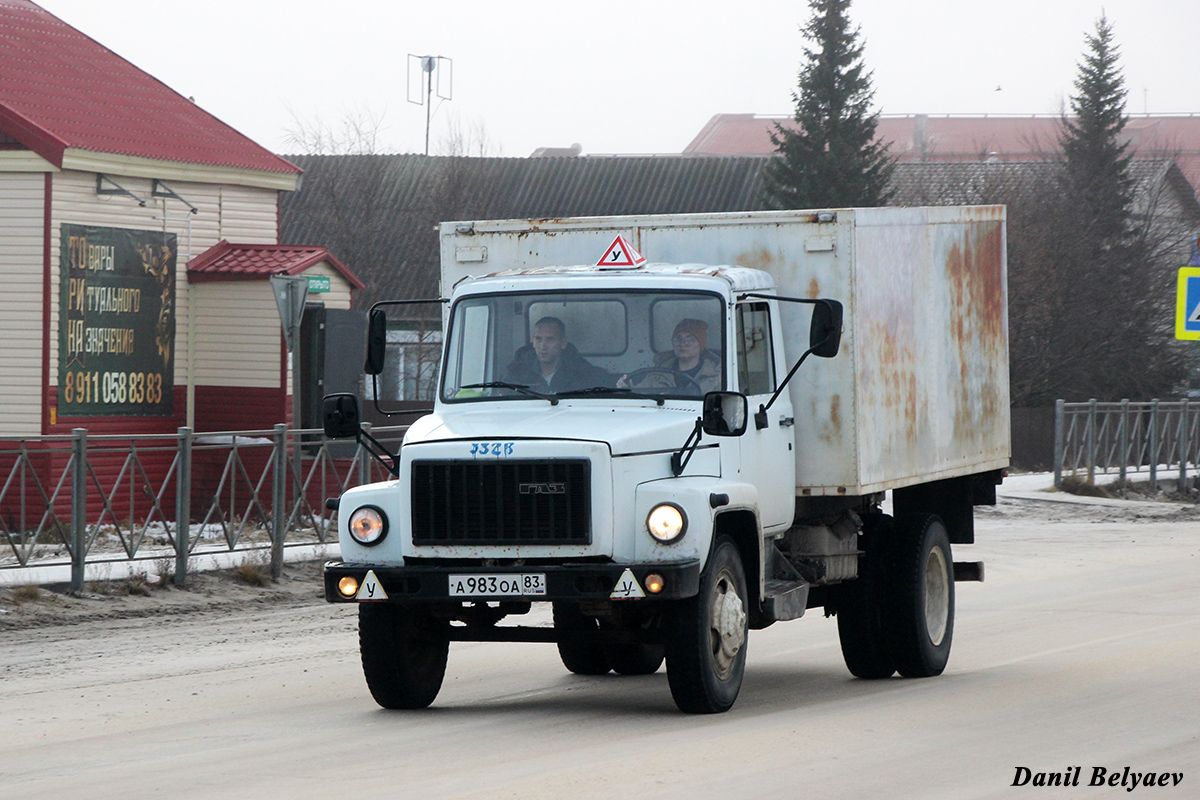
376	341
340	413
825	333
724	414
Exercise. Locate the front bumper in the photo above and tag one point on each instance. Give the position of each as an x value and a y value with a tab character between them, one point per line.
575	582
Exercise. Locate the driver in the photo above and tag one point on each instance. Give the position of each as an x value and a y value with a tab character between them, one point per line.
689	356
552	364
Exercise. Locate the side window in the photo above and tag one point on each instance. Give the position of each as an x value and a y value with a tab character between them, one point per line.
755	354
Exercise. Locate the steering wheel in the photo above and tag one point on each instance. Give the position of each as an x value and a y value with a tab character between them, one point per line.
635	376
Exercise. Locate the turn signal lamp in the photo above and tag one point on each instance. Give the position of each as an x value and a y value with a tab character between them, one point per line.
348	586
654	583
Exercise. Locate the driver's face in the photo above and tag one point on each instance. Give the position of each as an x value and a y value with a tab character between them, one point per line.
548	343
687	346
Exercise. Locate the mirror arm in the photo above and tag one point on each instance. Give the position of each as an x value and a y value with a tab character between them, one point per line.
783	384
378	451
680	458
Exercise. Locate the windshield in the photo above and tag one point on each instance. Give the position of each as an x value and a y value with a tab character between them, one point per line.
550	345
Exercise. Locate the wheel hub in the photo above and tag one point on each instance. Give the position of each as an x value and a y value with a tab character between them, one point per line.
727	627
937	596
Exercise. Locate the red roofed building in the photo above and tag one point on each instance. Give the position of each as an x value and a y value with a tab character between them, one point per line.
925	137
124	308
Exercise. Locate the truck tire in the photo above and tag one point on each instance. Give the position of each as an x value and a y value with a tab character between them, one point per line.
706	637
861	605
921	607
404	653
581	655
635	659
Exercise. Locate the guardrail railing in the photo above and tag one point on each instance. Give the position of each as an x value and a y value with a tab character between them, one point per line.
1151	437
84	500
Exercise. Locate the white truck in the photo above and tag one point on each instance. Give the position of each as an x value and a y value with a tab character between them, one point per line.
580	453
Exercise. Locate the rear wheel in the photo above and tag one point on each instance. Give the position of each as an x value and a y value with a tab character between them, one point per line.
706	637
581	652
861	605
921	608
404	652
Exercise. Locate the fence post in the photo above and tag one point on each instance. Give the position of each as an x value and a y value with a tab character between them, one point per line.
279	501
1091	442
78	508
1123	439
1059	435
1154	445
1184	446
183	506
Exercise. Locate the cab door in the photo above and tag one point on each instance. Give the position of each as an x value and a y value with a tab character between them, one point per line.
766	452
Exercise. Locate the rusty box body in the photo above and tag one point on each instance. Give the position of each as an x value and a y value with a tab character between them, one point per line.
919	391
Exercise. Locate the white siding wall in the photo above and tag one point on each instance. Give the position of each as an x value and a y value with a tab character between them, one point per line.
22	198
338	295
236	213
238	334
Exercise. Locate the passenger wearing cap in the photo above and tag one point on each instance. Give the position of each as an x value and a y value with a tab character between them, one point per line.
688	365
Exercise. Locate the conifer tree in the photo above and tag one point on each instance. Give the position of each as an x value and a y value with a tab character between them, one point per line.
832	159
1097	164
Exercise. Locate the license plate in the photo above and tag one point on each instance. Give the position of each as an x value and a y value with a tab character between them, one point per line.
498	585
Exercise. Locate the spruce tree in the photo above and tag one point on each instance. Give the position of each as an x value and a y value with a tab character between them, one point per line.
832	159
1097	164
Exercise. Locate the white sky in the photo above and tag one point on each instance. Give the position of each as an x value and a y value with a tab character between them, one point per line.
620	76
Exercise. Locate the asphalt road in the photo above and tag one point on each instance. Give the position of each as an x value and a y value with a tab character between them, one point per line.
1082	649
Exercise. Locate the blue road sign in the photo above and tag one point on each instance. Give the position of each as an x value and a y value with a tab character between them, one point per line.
1187	307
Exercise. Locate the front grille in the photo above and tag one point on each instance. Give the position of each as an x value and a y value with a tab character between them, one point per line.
501	502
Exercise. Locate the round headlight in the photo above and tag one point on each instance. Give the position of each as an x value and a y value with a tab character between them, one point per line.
368	526
667	523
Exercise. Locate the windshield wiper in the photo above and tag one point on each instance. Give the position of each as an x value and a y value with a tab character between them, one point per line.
612	390
516	387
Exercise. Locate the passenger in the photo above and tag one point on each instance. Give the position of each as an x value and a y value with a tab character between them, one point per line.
552	364
689	364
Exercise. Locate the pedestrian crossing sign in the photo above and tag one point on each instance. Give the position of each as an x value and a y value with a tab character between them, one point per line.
1187	309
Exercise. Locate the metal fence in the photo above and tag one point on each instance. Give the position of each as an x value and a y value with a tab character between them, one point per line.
1158	439
85	500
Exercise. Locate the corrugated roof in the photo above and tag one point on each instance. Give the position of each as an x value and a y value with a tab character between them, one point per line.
378	213
229	262
59	89
926	137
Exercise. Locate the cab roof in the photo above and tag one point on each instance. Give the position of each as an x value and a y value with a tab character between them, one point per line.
740	279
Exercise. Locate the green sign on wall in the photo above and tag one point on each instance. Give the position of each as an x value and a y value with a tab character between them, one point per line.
116	354
319	283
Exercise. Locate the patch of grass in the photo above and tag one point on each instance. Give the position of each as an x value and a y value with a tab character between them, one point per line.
252	574
164	571
134	585
1079	486
27	593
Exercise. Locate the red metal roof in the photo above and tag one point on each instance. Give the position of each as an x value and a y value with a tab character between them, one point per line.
246	262
922	137
60	89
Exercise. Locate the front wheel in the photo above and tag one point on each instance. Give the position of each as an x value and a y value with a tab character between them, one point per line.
706	637
634	659
404	654
581	651
921	574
